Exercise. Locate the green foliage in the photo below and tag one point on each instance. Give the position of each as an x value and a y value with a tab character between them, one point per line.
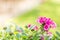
26	34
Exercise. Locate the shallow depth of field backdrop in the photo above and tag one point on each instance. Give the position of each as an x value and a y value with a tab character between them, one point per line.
50	9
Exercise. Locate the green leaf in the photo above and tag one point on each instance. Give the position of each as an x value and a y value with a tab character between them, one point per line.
55	37
17	36
36	36
58	33
24	36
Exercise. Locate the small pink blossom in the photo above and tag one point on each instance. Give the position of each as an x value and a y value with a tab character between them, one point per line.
49	33
48	21
42	37
41	20
29	25
53	25
46	27
35	28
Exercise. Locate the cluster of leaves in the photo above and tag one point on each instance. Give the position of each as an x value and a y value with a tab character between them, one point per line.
57	36
14	32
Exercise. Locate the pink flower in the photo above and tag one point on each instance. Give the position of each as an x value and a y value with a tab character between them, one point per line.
53	25
36	28
41	20
46	27
29	25
42	37
47	22
49	33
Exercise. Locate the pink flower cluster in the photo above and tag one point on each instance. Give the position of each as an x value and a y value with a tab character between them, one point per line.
47	23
